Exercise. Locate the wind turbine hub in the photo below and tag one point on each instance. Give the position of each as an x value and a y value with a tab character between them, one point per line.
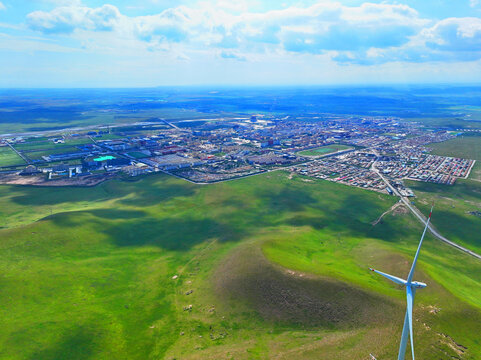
418	284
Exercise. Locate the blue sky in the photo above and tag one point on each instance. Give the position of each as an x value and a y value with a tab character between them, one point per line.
94	43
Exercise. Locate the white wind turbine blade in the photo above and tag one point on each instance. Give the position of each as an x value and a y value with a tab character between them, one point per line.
404	338
390	277
410	300
411	273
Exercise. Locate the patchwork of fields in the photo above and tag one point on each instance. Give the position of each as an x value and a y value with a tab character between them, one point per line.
262	267
8	157
34	150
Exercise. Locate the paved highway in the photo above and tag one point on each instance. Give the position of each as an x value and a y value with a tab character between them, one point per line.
433	231
419	215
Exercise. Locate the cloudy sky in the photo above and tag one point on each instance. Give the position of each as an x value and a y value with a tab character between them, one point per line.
93	43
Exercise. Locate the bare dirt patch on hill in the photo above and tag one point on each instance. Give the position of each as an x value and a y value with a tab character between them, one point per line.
292	298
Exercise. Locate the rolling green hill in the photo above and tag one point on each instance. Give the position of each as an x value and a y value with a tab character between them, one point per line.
258	268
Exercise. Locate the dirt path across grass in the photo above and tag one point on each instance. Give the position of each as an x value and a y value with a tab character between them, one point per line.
392	208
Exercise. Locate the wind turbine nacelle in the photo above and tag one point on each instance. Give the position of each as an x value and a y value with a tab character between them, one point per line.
418	284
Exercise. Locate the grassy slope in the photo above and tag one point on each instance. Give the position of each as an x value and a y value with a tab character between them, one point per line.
453	206
94	279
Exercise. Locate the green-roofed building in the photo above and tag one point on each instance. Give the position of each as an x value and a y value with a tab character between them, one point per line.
105	158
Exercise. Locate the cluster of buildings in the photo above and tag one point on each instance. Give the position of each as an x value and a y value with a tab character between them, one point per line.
211	151
385	161
352	169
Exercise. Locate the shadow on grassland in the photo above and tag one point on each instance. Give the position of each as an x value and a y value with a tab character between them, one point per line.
92	217
461	190
288	299
152	192
147	191
318	205
454	226
285	199
136	228
351	213
79	344
41	196
174	233
215	216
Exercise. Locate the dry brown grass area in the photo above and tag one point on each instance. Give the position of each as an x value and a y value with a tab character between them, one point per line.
290	298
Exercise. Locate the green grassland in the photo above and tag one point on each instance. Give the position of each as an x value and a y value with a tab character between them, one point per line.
46	145
453	207
36	155
8	157
138	154
111	136
456	205
273	268
323	150
91	118
35	149
467	146
450	122
463	146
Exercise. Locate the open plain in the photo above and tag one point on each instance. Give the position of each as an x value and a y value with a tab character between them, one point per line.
162	268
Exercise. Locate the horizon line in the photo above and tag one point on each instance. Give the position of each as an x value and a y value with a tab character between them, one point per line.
353	85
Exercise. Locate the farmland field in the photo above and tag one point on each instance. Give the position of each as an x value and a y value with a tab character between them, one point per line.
262	267
34	155
50	145
36	149
8	157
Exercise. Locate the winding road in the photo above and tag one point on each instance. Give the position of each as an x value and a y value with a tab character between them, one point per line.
417	213
433	231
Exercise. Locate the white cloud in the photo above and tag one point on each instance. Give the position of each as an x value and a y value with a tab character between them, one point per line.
64	2
66	19
2	6
232	55
170	25
365	34
352	28
452	39
236	6
455	34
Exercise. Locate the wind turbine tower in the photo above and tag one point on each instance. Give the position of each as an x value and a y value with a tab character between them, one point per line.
411	287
